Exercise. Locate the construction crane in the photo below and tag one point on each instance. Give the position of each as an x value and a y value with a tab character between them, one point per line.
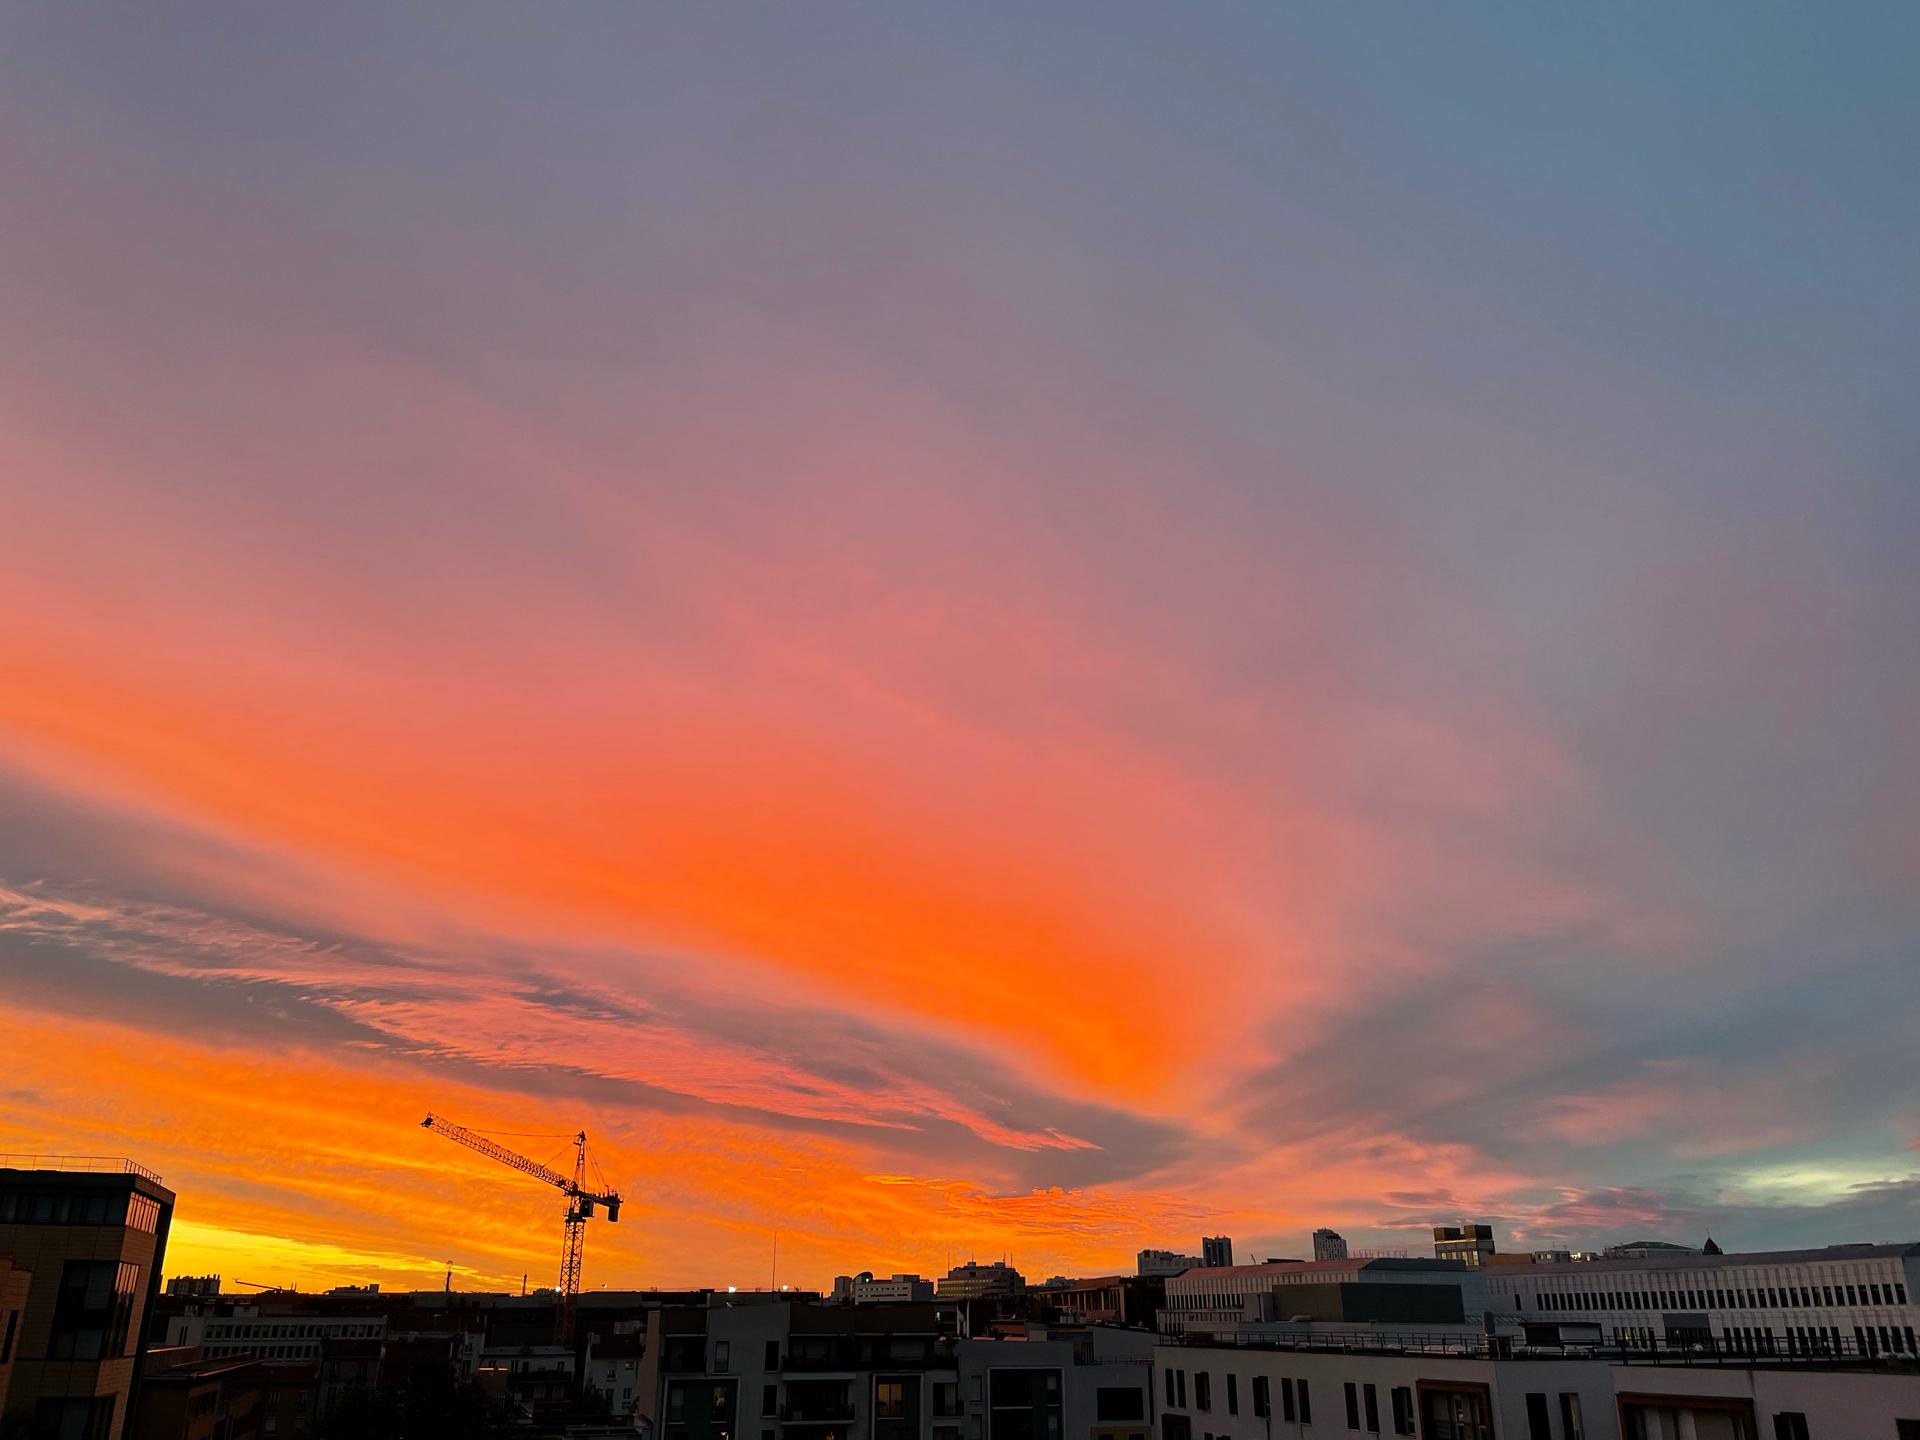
580	1205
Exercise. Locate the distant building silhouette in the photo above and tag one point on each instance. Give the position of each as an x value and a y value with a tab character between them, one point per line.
1216	1250
1165	1262
973	1281
1329	1244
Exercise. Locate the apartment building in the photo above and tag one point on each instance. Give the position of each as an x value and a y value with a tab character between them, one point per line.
1246	1393
896	1372
1309	1392
1843	1300
92	1234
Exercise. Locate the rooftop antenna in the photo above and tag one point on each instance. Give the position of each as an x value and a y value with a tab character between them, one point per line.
449	1289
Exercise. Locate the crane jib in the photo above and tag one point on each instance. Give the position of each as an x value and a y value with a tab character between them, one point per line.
581	1203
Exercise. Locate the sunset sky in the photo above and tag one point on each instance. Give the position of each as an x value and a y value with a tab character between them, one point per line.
962	629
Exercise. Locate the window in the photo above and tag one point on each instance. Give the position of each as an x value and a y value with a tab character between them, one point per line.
1539	1421
1353	1406
722	1354
1790	1425
1372	1399
1876	1293
1119	1402
1403	1410
1570	1424
1262	1397
1233	1393
769	1399
1286	1400
772	1361
1899	1294
1202	1390
889	1400
74	1419
1306	1403
1906	1430
93	1310
1168	1376
946	1397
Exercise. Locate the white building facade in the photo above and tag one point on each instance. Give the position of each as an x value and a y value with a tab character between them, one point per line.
1843	1300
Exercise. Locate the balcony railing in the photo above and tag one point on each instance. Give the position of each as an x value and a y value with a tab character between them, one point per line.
831	1412
1611	1349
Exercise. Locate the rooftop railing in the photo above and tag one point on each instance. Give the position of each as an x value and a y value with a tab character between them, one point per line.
1846	1353
85	1164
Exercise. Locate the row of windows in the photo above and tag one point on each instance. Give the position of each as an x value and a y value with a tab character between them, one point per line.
1296	1400
266	1352
39	1206
1792	1297
332	1329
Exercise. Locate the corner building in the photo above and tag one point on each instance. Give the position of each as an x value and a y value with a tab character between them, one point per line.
93	1235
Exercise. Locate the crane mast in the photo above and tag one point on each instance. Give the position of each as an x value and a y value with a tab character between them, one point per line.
581	1202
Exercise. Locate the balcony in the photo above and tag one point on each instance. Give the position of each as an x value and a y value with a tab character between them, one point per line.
828	1412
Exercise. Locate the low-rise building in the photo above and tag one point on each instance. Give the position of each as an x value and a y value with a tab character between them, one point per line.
1469	1244
1124	1300
529	1379
613	1372
974	1281
1648	1250
184	1395
1251	1300
1840	1301
1164	1262
868	1289
276	1331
